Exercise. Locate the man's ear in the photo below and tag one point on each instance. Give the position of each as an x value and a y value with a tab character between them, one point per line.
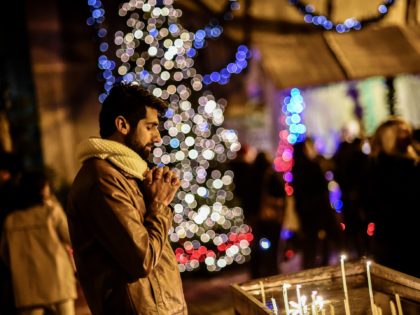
122	125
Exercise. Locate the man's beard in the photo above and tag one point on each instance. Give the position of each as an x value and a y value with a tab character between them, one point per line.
142	150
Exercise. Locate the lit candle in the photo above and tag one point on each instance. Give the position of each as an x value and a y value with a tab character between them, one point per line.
372	302
262	292
299	300
304	305
285	299
346	296
320	302
399	307
275	309
314	311
332	310
392	307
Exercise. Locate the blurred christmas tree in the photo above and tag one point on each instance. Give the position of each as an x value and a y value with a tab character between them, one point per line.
157	52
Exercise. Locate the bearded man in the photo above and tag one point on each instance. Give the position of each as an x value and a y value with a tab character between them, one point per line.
119	214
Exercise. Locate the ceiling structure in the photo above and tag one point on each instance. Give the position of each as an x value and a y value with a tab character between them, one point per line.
295	53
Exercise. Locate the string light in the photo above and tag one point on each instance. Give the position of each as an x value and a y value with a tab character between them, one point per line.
349	24
294	132
198	39
157	52
236	67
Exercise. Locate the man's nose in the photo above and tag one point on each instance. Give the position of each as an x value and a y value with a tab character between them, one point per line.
157	137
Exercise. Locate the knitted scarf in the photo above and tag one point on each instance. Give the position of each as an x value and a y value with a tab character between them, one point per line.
118	154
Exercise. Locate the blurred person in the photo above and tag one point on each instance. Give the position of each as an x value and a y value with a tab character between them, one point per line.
268	198
10	168
416	140
392	196
350	165
320	233
119	213
244	187
35	245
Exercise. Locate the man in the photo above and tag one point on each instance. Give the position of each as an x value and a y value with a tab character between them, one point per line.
119	214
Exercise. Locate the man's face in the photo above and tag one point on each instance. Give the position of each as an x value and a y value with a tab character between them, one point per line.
141	138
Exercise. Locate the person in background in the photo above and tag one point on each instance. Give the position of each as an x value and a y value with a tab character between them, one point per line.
35	245
10	168
416	140
320	232
243	184
350	165
119	213
269	200
392	196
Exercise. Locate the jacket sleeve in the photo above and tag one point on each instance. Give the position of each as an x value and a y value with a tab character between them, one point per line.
136	246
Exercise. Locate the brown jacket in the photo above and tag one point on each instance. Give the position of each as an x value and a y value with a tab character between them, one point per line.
124	260
34	245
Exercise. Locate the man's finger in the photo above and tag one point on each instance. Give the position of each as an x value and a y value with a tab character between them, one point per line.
175	181
148	177
158	173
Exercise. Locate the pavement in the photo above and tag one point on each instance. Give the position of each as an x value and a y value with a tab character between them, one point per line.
206	294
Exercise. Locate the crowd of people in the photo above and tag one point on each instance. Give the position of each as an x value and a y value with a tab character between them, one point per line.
112	235
378	181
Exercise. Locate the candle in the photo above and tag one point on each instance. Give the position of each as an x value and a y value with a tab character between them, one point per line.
314	293
262	292
378	310
372	302
346	296
346	307
299	299
304	305
399	307
285	299
332	310
392	307
275	309
320	302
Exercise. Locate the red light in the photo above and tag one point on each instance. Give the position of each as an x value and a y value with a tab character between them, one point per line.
371	229
289	253
289	190
202	250
221	247
179	251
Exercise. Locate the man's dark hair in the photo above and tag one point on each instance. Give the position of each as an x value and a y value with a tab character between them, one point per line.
129	101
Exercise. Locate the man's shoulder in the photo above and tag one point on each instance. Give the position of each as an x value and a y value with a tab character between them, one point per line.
96	166
93	170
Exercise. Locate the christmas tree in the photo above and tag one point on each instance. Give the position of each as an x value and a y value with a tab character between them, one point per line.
156	51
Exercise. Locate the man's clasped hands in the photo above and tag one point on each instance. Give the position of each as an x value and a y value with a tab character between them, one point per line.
161	184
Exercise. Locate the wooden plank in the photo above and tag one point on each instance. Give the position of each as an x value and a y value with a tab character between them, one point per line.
327	281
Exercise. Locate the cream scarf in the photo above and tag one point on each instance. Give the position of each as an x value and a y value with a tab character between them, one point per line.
118	154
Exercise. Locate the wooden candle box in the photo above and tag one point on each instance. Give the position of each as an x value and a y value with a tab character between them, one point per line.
328	283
